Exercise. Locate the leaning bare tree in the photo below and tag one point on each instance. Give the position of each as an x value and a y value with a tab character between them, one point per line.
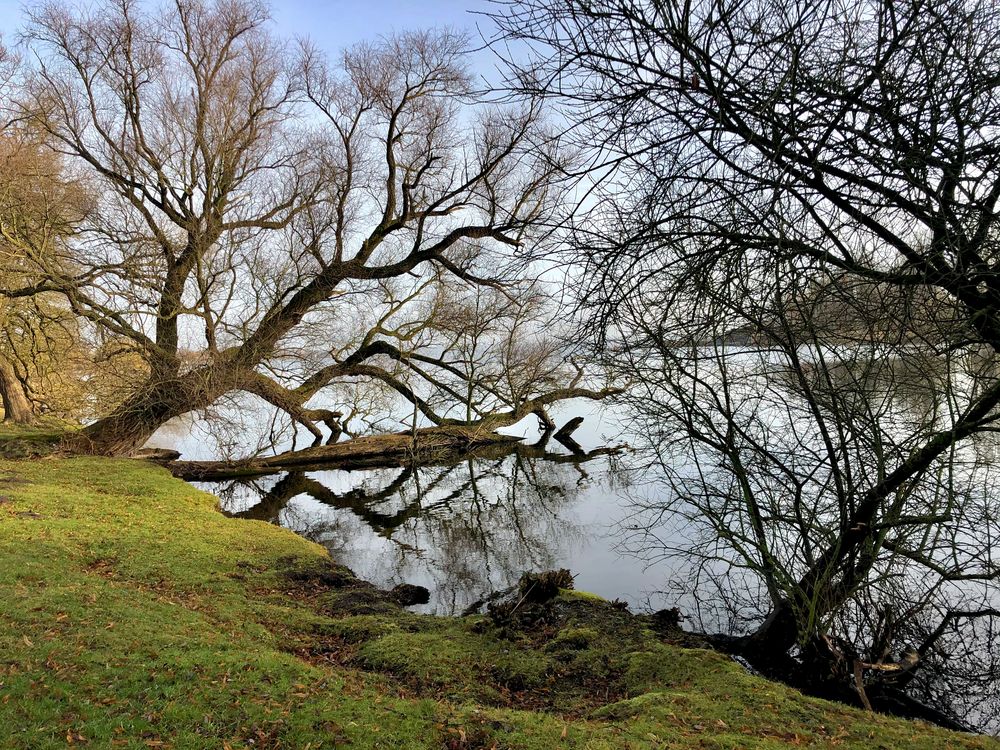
274	225
791	243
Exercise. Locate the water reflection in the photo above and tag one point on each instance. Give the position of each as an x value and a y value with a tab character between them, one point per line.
768	454
462	529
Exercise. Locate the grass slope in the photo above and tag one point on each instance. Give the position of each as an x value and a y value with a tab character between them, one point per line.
134	615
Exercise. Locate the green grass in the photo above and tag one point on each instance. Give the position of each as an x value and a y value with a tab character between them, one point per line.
32	441
135	615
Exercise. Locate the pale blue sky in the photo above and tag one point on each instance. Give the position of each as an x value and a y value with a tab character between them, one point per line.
333	24
337	23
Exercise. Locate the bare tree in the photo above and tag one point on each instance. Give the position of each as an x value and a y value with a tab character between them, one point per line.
271	224
790	243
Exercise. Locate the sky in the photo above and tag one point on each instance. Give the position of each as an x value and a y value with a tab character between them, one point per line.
337	23
334	24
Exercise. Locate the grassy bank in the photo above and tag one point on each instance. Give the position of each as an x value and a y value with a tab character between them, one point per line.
135	615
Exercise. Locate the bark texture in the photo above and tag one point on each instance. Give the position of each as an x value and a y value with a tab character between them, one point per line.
16	406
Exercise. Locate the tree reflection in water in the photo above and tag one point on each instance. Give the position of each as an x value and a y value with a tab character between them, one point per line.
462	529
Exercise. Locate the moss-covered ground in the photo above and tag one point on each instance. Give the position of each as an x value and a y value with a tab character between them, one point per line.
135	615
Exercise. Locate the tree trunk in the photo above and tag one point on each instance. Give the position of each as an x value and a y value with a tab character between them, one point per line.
780	631
770	643
16	406
134	422
427	445
120	434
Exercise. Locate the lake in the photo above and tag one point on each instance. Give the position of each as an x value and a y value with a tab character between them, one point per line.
472	527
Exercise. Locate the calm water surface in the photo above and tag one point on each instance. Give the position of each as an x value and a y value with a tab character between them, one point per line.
465	529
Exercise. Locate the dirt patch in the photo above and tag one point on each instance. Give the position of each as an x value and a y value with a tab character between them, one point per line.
103	567
334	590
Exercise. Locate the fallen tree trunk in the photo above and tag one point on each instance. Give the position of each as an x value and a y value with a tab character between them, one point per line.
371	451
566	431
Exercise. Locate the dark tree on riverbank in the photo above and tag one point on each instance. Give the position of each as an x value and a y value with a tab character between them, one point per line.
792	244
273	225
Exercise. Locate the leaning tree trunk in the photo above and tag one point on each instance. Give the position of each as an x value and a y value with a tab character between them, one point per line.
773	639
16	406
119	434
782	629
128	428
